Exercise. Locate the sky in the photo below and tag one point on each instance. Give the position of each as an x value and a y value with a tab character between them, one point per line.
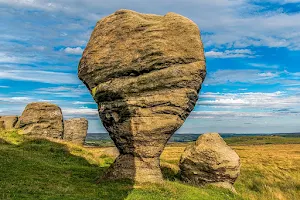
252	54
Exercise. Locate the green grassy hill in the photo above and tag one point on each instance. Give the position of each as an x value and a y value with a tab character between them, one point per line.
42	169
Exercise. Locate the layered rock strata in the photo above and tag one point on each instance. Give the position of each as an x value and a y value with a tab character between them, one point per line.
145	72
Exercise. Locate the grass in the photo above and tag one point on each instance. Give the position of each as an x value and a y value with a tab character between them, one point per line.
43	169
260	140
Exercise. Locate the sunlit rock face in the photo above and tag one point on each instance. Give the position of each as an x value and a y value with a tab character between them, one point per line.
75	130
210	161
42	119
8	122
145	72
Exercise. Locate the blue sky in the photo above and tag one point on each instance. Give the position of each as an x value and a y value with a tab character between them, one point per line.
252	51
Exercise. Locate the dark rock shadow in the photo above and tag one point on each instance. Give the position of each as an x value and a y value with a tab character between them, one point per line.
115	117
170	174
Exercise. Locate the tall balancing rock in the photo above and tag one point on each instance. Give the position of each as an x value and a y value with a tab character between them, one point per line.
145	72
210	161
42	119
8	122
75	130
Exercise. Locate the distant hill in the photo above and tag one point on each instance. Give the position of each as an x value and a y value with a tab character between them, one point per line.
103	139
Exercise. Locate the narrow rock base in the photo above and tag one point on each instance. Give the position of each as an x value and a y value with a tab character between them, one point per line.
138	169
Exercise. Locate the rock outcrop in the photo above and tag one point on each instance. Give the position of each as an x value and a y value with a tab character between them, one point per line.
75	130
145	72
42	120
210	161
8	122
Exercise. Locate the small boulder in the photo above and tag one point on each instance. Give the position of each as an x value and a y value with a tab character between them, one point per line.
8	122
210	161
75	130
42	119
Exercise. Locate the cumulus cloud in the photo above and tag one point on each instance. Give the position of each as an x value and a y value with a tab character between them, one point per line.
74	51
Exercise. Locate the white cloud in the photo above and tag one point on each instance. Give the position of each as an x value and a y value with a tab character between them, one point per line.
238	24
63	91
235	53
268	74
40	76
84	103
229	114
252	76
17	99
255	100
261	65
75	50
81	110
9	57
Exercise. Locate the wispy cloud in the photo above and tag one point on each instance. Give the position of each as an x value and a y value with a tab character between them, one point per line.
8	57
235	53
88	113
252	76
4	86
256	100
63	91
40	76
264	66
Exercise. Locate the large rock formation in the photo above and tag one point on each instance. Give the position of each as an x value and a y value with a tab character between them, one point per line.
75	130
42	120
8	122
210	161
145	72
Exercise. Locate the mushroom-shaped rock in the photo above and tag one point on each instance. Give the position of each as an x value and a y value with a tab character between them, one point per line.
210	161
42	119
75	130
8	122
144	71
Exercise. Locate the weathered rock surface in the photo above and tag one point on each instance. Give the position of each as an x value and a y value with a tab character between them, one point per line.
42	119
75	130
8	122
145	72
210	161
